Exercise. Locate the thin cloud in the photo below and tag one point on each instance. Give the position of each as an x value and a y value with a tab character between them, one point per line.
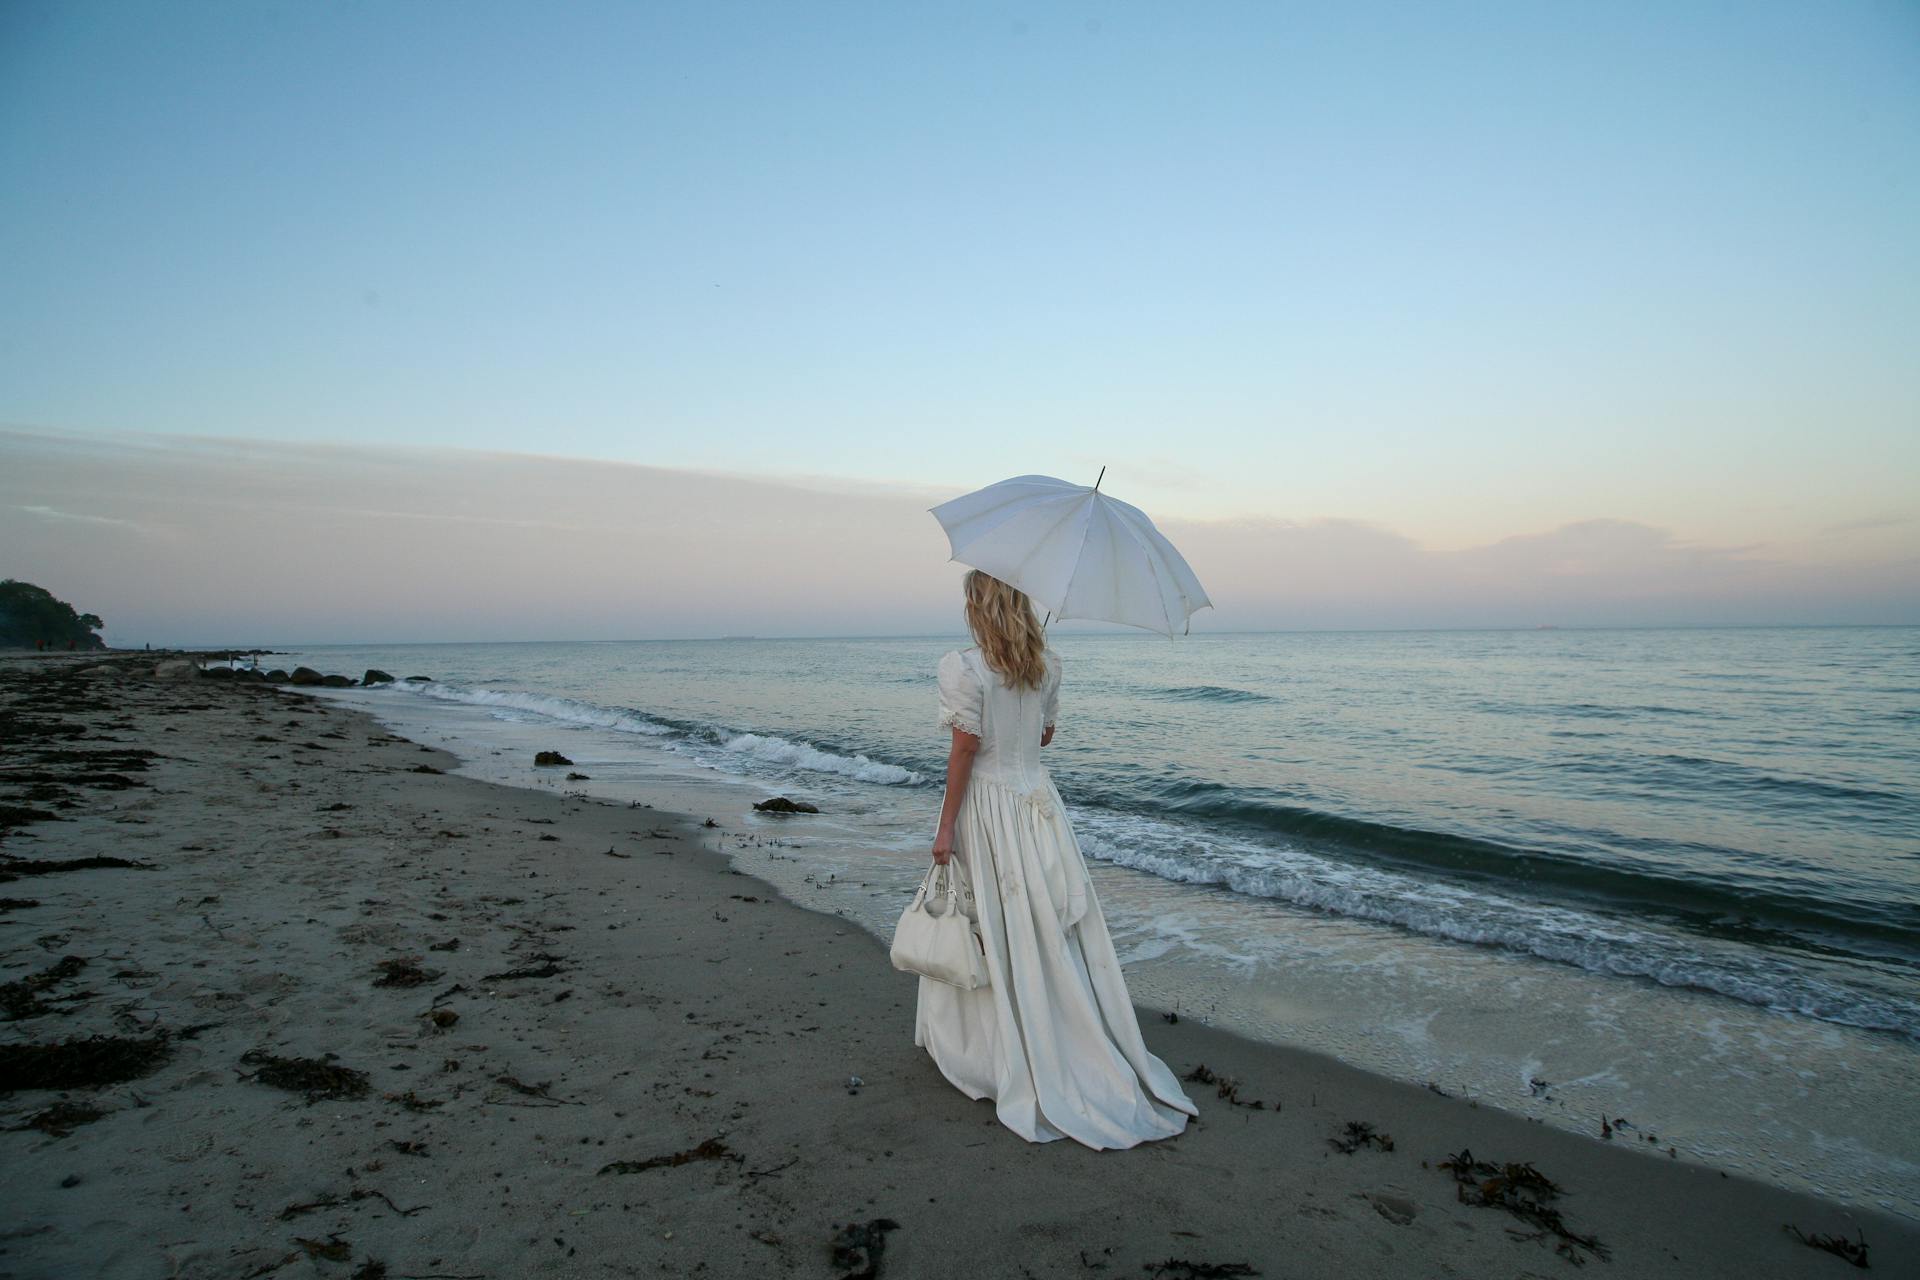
1863	524
49	513
449	517
349	543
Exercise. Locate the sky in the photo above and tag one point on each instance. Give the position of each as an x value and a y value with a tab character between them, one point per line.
1400	315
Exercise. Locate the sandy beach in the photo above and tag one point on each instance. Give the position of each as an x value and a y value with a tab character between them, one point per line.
373	1019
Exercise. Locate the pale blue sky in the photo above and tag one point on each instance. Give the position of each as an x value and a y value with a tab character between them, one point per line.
1464	271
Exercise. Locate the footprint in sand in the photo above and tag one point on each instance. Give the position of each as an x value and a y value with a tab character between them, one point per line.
1395	1209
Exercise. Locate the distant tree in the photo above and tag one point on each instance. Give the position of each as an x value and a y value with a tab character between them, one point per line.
30	615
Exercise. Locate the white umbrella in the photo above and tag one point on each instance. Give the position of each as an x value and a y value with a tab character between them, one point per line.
1075	550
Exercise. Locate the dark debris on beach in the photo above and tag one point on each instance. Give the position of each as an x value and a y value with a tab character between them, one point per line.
22	998
547	970
62	1118
711	1149
1527	1194
82	1063
404	971
15	868
40	777
1227	1088
1182	1269
316	1078
330	1201
1358	1134
859	1246
1854	1251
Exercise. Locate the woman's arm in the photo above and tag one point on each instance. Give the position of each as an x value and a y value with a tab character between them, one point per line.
959	770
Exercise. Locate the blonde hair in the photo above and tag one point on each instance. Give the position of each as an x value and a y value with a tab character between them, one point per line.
1002	620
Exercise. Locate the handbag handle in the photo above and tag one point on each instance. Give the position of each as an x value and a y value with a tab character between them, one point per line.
939	892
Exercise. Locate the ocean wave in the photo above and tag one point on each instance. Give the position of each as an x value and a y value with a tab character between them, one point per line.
766	749
1732	775
552	707
1702	902
1592	710
804	755
1588	940
1208	693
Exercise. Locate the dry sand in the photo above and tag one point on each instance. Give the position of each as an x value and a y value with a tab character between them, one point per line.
618	997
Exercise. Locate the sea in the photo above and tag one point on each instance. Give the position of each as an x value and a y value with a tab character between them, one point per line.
1664	882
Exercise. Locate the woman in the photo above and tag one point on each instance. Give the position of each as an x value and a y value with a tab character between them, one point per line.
1052	1039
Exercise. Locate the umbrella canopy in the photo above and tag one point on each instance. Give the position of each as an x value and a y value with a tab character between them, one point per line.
1075	550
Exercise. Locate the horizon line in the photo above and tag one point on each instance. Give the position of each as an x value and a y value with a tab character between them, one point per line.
937	635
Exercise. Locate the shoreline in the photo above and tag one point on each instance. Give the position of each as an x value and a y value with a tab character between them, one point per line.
688	1005
1791	1101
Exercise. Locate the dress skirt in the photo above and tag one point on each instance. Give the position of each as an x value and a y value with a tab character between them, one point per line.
1053	1040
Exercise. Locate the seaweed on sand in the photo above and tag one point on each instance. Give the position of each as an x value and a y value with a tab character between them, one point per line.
1854	1251
101	780
125	759
414	1102
1225	1087
1523	1191
711	1149
61	1118
1360	1134
80	1063
14	868
314	1077
331	1201
405	971
533	1090
1181	1269
548	970
19	815
21	998
858	1247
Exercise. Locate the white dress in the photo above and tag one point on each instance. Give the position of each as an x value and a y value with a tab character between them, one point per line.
1053	1040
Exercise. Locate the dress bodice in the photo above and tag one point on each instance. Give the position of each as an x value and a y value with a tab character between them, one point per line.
974	698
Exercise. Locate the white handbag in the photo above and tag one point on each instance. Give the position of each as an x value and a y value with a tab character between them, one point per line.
935	937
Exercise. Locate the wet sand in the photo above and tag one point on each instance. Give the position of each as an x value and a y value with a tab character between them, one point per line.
528	1034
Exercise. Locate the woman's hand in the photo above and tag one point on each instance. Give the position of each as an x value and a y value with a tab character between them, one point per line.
943	845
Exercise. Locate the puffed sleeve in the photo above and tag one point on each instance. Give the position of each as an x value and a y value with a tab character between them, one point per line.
1053	689
960	696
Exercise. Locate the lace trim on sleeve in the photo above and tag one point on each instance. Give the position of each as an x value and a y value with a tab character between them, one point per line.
953	719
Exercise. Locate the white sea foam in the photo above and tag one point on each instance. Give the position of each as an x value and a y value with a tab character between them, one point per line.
566	710
746	748
1438	909
804	755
